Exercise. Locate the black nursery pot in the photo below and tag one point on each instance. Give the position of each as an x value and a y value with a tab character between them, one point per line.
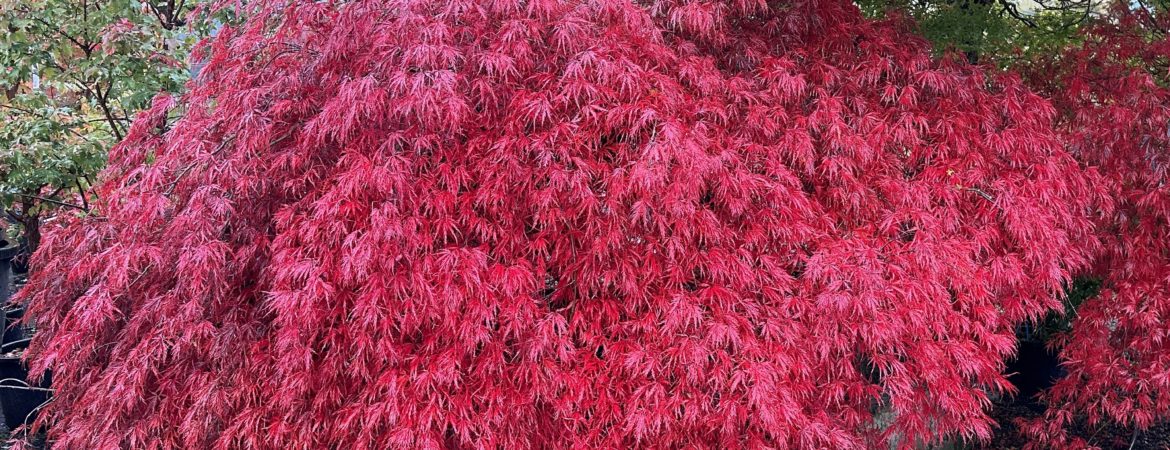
8	250
20	261
20	264
12	366
1034	369
13	333
21	403
19	400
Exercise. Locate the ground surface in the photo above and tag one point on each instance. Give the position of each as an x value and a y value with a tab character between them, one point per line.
1007	437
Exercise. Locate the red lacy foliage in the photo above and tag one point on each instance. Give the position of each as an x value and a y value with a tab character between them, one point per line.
542	224
1115	116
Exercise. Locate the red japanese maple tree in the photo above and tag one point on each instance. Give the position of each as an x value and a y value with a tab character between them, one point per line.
1113	94
545	224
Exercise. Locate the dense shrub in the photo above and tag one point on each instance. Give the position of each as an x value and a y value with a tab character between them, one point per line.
543	224
1113	101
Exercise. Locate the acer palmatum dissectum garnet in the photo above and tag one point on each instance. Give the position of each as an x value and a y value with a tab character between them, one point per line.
543	224
1113	101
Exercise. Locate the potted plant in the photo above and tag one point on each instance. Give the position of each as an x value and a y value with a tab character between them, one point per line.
19	400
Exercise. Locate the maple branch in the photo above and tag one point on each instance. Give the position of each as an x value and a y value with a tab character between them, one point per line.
92	188
81	192
103	103
26	387
55	202
1148	17
161	20
96	93
168	14
1013	10
985	195
44	117
1098	430
183	172
55	192
86	48
222	145
289	49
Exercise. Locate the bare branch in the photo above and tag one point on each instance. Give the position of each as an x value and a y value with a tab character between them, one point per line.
55	202
985	195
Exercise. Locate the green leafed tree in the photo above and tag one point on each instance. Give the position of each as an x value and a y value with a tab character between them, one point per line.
73	74
1000	32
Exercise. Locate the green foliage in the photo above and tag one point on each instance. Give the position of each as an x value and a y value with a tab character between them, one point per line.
964	26
73	73
1058	322
999	32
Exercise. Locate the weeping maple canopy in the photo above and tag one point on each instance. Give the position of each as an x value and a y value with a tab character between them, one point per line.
1114	101
548	224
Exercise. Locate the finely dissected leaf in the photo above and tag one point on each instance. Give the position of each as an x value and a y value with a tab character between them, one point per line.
544	224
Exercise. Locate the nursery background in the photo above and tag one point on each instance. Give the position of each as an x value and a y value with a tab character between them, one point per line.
585	224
